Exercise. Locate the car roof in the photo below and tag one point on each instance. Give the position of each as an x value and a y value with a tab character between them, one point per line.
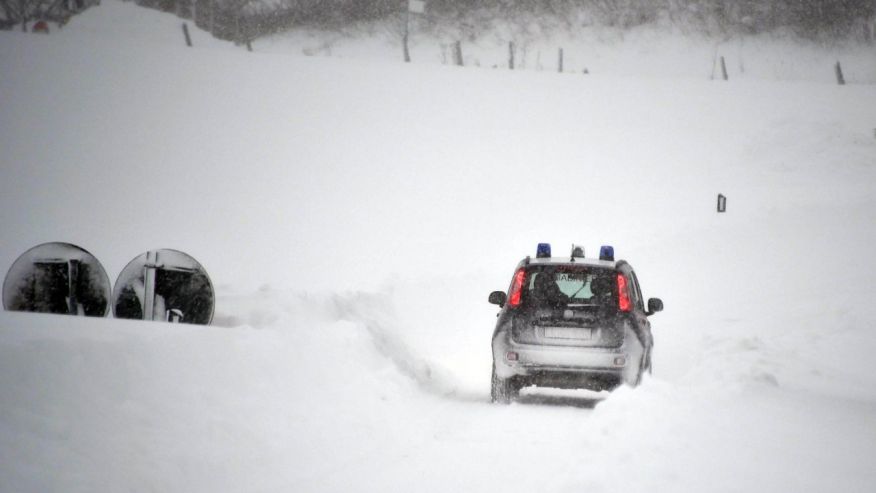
590	262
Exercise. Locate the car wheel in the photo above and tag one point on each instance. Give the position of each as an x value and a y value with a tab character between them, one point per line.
503	390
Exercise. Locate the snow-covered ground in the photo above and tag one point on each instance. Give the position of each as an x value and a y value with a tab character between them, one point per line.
354	214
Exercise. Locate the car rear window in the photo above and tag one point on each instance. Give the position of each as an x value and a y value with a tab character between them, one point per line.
555	286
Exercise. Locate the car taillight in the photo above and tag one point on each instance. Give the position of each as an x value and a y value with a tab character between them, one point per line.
516	288
623	295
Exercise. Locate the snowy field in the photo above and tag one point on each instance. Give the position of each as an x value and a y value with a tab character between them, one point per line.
354	214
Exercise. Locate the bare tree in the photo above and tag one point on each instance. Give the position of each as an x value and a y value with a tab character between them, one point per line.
243	20
23	11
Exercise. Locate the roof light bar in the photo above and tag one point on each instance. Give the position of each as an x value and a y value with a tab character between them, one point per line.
606	253
543	251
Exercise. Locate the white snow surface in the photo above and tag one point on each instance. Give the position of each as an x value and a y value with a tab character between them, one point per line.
354	214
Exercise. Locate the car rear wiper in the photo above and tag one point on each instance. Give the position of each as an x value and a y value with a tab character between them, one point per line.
579	290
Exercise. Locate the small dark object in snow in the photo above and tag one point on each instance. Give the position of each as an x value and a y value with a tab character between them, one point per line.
839	74
40	27
722	203
457	54
185	28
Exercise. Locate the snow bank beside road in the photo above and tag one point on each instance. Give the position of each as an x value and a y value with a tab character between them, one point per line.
106	405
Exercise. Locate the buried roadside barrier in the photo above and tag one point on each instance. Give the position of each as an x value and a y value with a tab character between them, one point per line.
164	285
62	278
57	278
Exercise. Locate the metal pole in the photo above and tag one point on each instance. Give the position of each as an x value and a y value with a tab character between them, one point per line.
149	281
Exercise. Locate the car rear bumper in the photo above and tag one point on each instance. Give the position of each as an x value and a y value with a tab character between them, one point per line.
564	366
589	379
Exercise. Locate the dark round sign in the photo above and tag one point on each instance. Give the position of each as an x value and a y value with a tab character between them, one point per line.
164	285
57	278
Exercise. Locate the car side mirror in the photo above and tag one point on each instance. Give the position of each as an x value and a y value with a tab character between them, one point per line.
498	298
655	305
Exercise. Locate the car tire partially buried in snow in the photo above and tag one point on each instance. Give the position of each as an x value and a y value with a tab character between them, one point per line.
503	390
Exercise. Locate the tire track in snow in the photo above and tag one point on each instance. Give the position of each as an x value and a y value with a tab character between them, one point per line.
374	312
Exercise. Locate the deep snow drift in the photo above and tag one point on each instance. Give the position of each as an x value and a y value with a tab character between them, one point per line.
354	216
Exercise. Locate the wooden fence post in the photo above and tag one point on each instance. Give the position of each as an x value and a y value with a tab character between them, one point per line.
724	69
511	55
238	38
560	63
186	34
839	74
457	53
407	53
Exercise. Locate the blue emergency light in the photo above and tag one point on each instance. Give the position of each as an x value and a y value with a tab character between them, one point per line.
606	253
543	251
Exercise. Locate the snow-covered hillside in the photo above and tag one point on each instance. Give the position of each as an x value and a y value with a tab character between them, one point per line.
648	50
355	214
